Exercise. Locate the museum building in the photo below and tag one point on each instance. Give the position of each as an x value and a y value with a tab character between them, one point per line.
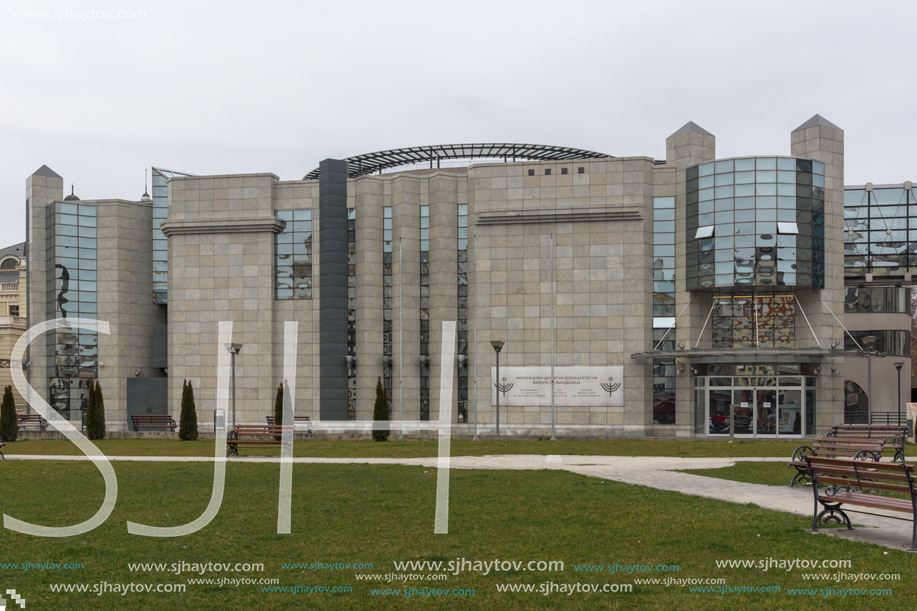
628	296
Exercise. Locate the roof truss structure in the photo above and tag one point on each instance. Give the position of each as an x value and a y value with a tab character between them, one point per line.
370	163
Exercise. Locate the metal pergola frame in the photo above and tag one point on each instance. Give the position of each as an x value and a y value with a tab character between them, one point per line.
369	163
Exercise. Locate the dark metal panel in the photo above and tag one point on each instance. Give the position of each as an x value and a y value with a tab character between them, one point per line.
332	282
160	346
146	396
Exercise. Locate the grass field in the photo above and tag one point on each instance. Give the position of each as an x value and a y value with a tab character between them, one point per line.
415	449
381	514
768	473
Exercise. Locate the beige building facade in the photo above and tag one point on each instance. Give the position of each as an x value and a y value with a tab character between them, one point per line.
12	305
687	297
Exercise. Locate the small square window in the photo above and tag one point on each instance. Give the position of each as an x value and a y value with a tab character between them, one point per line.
531	172
787	228
563	170
547	171
580	170
704	232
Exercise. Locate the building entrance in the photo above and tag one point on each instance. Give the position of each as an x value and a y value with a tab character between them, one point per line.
758	406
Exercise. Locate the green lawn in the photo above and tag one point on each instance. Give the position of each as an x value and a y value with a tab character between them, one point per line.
768	473
414	449
381	514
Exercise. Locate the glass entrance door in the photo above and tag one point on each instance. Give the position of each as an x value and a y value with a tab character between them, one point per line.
761	406
766	411
789	412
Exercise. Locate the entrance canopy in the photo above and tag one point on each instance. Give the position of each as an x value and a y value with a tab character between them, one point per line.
750	355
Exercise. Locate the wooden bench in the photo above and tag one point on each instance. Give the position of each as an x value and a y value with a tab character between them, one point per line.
31	421
894	436
253	434
153	421
296	420
840	481
834	447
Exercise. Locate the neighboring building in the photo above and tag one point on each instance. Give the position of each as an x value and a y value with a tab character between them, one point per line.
685	292
12	303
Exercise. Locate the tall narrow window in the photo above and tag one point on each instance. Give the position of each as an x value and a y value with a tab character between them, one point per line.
663	307
160	243
74	295
293	252
462	348
387	293
425	312
351	314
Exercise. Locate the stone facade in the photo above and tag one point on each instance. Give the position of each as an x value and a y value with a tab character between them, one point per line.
596	212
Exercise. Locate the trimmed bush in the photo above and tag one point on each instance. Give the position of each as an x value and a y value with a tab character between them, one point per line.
278	408
9	427
381	411
187	426
95	414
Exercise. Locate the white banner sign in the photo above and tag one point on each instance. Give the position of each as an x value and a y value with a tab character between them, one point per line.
573	386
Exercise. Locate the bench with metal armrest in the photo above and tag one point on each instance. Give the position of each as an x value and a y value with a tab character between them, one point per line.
838	482
833	447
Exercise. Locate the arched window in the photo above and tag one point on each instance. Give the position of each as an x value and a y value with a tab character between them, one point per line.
11	263
856	409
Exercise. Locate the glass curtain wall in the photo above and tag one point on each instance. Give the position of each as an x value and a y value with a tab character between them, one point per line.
755	222
880	232
73	289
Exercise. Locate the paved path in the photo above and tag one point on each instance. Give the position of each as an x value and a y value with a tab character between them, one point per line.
654	471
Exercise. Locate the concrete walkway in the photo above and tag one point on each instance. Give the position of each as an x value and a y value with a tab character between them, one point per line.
654	471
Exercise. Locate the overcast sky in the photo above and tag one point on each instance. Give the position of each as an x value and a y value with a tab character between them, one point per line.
277	86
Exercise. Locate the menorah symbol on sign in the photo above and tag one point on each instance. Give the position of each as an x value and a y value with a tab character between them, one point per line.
611	386
504	387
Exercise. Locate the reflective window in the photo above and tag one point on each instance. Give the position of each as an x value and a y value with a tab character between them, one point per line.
160	194
663	379
425	312
875	299
897	343
663	256
743	232
462	332
664	306
387	292
74	293
293	255
758	320
877	232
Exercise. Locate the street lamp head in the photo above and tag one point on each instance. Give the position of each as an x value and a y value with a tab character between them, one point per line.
234	348
497	344
899	365
869	341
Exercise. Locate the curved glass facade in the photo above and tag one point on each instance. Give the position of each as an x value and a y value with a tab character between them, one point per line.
755	222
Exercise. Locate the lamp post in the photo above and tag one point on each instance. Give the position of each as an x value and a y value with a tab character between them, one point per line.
234	349
498	345
869	341
898	366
